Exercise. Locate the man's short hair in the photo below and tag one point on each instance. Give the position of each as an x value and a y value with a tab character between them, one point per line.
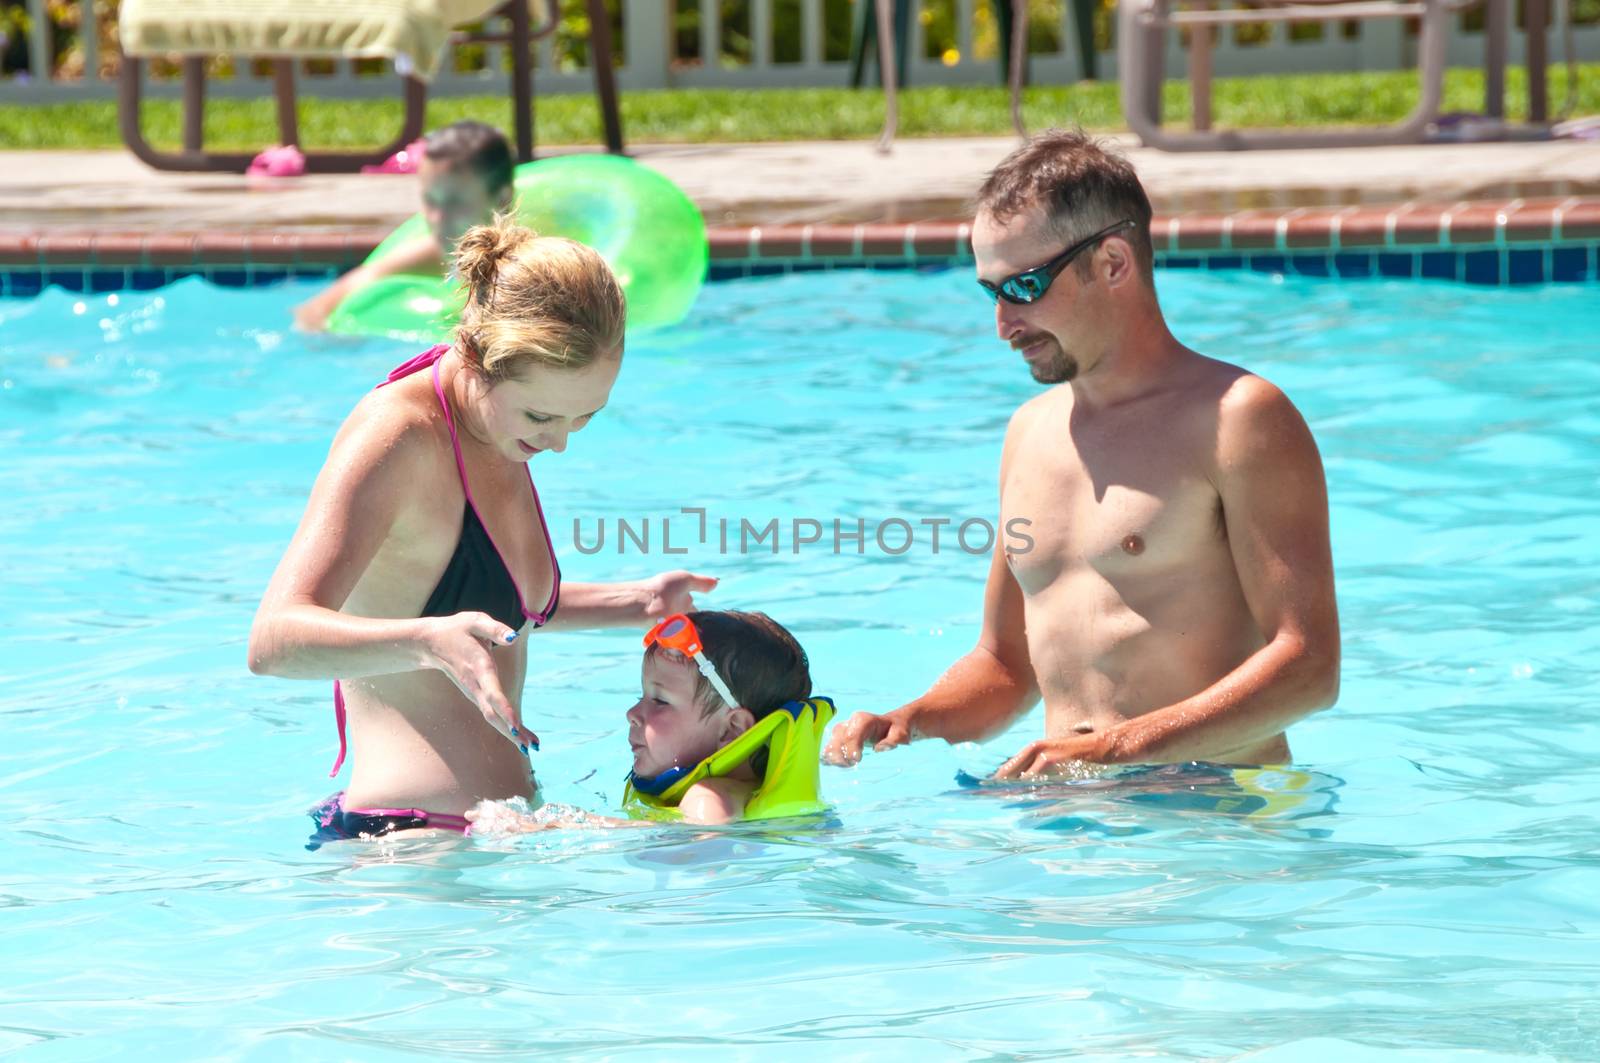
478	146
1082	187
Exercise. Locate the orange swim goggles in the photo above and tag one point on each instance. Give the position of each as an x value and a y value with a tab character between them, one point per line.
677	632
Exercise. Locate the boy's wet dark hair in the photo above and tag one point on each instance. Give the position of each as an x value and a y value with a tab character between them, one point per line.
761	662
478	146
755	655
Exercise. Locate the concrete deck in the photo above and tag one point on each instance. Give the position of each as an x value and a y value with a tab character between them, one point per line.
792	183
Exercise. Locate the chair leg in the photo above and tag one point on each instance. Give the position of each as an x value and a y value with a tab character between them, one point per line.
864	37
194	104
283	92
872	31
521	79
903	15
1494	59
1140	67
1083	21
605	74
886	68
1536	14
1017	74
130	100
1200	76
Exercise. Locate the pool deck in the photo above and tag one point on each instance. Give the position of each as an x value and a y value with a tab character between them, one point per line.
797	183
829	199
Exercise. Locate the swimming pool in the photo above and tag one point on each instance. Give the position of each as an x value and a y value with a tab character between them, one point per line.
1428	883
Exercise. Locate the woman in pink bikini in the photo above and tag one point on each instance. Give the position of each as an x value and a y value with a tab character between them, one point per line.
423	554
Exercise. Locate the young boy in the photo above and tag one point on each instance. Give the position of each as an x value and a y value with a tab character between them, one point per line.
466	174
725	727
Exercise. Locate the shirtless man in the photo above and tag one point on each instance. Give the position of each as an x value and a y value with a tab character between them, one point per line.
1177	603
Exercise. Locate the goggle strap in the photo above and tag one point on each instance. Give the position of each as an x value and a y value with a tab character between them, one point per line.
709	670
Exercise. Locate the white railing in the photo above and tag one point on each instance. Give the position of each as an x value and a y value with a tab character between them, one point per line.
648	44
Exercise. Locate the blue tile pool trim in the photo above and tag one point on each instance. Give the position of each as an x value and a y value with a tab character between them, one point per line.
1575	262
1564	263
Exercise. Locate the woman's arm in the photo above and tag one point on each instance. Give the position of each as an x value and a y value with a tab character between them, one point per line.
500	817
588	605
299	632
710	802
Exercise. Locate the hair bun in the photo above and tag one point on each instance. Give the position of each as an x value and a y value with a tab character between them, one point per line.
534	300
480	252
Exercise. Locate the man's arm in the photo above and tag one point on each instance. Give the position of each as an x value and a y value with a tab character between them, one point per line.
981	693
1275	504
414	256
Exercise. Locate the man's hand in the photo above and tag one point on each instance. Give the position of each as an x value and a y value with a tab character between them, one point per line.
851	737
1054	756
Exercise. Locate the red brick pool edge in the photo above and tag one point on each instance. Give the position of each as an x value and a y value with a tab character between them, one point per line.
1488	242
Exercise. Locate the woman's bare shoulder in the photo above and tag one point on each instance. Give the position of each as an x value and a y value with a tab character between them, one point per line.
397	425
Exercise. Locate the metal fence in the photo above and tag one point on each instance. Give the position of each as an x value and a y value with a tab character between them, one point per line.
738	44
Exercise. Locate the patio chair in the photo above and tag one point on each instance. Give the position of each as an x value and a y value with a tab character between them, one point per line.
1141	45
412	33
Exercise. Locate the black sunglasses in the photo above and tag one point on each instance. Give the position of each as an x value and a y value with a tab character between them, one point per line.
1031	284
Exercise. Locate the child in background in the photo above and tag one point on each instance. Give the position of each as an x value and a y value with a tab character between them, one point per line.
466	174
725	728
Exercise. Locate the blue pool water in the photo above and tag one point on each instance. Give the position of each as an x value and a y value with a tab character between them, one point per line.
1428	883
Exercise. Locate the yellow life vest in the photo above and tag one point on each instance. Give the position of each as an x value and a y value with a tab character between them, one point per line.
792	736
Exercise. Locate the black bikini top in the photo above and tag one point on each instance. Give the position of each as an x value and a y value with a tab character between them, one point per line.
477	578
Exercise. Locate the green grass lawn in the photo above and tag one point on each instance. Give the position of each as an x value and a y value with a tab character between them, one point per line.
702	115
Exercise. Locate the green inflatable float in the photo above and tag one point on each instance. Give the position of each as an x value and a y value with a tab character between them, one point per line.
645	228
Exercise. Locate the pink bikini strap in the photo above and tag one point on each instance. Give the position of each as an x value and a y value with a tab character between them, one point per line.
428	357
438	820
466	489
455	440
338	718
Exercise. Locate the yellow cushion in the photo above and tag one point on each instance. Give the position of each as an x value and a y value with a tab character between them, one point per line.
385	29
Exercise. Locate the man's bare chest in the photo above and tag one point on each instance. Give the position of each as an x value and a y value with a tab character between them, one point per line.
1122	505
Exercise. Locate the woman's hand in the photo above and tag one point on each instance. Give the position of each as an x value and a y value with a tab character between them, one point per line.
495	817
513	817
592	605
673	592
461	647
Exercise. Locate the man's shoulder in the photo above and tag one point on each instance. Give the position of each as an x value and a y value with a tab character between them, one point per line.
1233	395
1250	403
1030	411
1251	420
1023	418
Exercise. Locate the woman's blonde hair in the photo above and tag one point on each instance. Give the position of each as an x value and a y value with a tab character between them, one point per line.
534	300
